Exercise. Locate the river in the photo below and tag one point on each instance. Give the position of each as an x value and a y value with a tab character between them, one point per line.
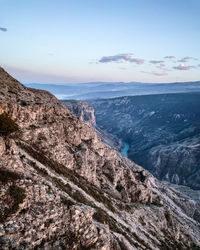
125	149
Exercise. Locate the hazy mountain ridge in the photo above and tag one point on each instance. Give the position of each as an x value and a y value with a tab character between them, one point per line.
96	90
61	187
162	130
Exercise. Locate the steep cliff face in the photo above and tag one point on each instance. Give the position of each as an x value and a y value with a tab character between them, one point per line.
162	130
82	110
61	187
85	112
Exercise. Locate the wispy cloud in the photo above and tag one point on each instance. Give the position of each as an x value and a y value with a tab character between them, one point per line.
183	67
160	73
156	61
155	73
186	59
3	29
137	60
169	57
121	58
162	65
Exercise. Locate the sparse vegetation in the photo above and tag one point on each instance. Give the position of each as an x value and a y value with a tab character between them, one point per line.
7	175
23	103
17	195
42	137
7	125
196	215
89	188
42	171
119	187
66	201
168	217
101	216
79	197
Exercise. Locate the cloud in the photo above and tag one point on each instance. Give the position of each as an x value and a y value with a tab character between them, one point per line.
169	57
183	67
160	73
121	58
162	65
137	60
156	62
185	59
116	58
3	29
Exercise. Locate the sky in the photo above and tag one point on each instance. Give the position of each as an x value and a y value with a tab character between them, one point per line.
67	41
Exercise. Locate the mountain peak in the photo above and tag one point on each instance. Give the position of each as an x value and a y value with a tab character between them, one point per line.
8	80
13	91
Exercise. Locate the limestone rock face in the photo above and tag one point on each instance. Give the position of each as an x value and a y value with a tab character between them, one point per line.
82	110
61	187
85	112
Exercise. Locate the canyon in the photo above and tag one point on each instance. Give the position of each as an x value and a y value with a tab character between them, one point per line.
161	130
62	187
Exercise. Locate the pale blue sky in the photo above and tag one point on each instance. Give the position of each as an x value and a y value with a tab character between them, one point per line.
100	40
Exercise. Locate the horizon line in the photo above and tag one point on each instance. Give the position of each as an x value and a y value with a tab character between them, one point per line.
109	82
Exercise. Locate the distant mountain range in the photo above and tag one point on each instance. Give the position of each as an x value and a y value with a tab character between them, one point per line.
96	90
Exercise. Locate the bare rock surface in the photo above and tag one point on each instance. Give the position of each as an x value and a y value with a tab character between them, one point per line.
62	188
85	112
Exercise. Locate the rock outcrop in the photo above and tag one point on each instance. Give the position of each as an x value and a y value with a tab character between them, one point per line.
82	110
85	112
61	187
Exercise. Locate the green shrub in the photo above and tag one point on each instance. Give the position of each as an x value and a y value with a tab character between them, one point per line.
7	125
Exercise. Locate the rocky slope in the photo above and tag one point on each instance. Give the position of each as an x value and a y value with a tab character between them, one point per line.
162	131
61	187
85	113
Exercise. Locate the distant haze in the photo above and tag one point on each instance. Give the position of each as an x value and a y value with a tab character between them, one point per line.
96	90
